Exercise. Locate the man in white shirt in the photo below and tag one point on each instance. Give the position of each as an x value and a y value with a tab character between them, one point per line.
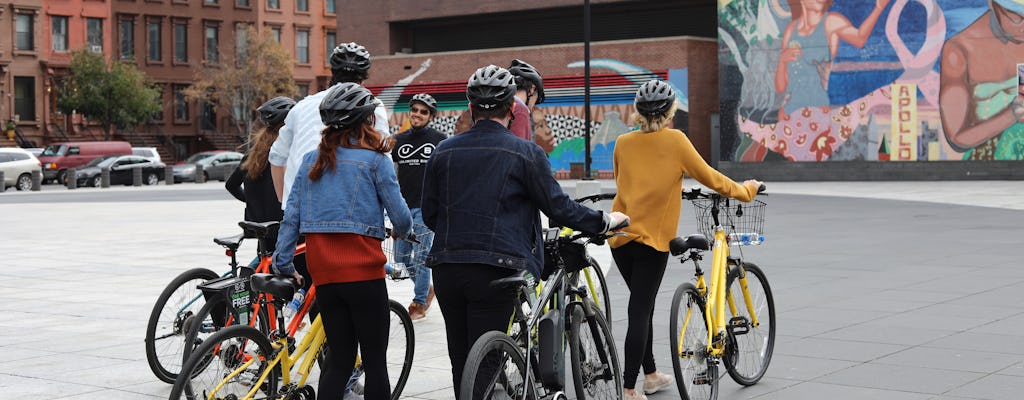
300	134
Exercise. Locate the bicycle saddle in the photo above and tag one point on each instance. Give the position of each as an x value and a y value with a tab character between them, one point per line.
281	287
513	282
259	229
678	246
231	242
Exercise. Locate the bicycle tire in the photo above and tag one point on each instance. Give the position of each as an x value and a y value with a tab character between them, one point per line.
604	304
489	354
748	354
697	379
201	321
596	371
230	347
163	353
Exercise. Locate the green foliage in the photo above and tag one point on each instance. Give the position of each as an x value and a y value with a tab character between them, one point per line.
111	94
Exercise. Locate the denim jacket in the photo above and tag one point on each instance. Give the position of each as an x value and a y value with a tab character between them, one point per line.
349	199
482	192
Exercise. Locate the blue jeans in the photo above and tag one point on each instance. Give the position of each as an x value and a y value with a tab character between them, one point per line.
414	256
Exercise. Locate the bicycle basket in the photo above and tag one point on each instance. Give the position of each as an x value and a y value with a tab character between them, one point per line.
572	255
743	222
402	254
233	290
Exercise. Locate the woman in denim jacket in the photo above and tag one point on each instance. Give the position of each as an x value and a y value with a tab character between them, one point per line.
337	201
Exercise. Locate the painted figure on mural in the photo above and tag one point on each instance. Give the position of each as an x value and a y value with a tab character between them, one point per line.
981	114
809	44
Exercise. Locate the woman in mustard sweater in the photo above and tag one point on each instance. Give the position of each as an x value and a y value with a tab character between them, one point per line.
649	167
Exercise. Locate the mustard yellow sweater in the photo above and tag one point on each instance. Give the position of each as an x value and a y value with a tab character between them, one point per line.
649	170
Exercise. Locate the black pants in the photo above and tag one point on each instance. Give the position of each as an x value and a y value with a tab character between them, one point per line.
642	267
470	307
356	318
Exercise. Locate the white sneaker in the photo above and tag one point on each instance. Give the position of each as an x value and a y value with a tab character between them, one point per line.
661	382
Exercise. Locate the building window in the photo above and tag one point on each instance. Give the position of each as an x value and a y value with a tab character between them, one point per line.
241	42
181	42
302	46
212	2
276	31
159	115
302	5
274	4
332	40
127	38
212	35
303	91
94	34
180	104
242	3
24	32
60	33
154	40
329	5
25	98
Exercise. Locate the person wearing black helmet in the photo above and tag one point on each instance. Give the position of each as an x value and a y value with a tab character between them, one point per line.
482	191
350	62
529	93
649	166
336	202
251	182
412	150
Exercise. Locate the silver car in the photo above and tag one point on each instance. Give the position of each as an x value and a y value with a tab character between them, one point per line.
17	165
216	165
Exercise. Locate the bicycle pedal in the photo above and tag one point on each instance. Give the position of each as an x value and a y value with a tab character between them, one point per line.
702	379
739	326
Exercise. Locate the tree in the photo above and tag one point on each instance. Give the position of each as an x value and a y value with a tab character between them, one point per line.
256	73
115	94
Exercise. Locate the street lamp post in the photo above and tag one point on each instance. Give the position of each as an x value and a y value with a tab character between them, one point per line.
586	90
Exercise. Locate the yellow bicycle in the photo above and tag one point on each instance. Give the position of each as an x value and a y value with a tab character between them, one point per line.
700	333
240	362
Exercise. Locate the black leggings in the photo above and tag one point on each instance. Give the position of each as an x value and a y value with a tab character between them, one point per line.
642	267
470	307
356	318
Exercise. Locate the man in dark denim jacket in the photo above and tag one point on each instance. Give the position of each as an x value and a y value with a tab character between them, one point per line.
482	192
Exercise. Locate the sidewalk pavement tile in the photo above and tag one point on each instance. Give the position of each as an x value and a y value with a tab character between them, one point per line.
954	360
837	349
893	377
818	391
994	387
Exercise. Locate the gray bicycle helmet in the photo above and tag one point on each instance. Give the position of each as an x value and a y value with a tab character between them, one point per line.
655	97
425	99
350	57
524	72
346	105
274	110
490	87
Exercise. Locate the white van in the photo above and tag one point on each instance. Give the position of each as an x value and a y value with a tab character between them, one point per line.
148	152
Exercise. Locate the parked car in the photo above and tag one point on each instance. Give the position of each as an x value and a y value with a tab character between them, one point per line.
148	152
216	165
57	158
18	165
35	151
121	170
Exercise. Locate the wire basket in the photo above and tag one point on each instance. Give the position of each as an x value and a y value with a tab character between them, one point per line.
743	222
402	256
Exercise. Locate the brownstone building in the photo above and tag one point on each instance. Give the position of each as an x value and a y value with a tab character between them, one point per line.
21	81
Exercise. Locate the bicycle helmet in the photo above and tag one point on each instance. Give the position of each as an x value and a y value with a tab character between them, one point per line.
274	110
350	57
425	99
346	105
655	97
490	87
524	72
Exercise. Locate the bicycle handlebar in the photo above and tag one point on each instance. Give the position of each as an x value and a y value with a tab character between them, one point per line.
696	193
596	197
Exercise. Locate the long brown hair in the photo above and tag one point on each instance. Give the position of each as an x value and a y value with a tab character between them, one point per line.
360	136
259	151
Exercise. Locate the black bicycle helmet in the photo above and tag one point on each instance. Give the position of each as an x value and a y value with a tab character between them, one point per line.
655	97
346	105
425	99
350	57
490	87
274	110
524	72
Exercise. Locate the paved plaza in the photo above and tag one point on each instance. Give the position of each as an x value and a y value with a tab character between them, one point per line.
883	290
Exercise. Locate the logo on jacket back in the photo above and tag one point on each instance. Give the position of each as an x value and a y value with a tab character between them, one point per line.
409	155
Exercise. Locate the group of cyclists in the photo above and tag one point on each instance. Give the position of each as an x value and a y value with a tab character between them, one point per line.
327	168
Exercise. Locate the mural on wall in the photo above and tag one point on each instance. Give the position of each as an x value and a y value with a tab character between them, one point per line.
558	122
817	80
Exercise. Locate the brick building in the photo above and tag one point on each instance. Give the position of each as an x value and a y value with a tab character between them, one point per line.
22	46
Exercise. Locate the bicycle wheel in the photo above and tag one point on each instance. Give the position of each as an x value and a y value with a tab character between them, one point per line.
401	348
231	362
165	330
749	350
595	363
696	374
495	370
203	324
599	292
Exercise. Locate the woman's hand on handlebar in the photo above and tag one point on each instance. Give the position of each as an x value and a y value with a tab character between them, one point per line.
617	221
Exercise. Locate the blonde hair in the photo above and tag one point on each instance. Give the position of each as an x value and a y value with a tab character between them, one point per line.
656	122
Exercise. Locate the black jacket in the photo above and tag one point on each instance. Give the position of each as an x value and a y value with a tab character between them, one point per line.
261	204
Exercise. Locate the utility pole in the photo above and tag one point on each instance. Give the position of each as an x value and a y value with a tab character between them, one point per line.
586	90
